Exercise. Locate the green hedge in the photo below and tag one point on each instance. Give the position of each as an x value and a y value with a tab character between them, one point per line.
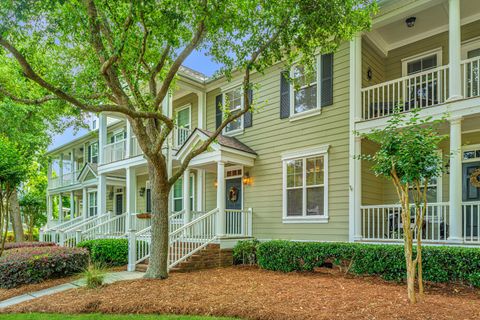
107	252
36	264
245	252
440	263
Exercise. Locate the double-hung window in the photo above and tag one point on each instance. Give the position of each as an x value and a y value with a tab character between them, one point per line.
305	193
178	194
305	89
93	152
184	125
92	204
233	100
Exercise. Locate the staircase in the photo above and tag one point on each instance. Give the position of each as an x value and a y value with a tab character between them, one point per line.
210	256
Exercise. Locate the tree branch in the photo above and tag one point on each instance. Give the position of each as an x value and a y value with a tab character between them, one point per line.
158	67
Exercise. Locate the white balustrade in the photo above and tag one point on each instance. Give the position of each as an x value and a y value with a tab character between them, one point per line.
67	179
471	77
112	228
384	222
471	221
136	150
238	222
115	151
180	136
419	90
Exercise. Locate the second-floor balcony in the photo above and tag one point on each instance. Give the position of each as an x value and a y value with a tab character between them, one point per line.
64	180
120	150
420	90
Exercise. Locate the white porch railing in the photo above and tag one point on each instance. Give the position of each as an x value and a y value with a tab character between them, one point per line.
112	228
238	222
50	234
384	222
136	150
66	180
471	221
180	136
71	236
471	77
115	151
419	90
184	241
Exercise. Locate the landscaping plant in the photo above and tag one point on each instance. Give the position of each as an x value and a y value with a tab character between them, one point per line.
107	252
245	252
408	156
124	57
36	264
94	275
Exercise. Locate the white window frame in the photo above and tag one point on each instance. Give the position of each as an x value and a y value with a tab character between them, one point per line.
469	45
116	133
192	194
425	54
177	111
95	207
91	152
312	112
225	91
304	154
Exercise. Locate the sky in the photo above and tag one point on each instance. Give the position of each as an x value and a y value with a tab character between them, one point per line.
196	61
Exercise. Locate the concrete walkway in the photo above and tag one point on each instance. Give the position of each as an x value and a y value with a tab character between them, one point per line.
109	278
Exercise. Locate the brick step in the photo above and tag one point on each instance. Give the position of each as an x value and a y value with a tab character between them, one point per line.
209	257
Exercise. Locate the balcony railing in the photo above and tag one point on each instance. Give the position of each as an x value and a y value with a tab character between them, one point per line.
115	151
180	136
62	181
384	222
420	90
136	150
471	77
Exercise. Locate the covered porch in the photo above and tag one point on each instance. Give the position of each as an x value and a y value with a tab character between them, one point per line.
453	210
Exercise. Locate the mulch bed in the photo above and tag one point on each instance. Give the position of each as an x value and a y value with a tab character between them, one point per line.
250	293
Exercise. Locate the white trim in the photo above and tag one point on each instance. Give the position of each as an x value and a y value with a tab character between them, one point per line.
186	106
407	60
317	110
469	45
115	193
192	194
303	155
235	177
240	130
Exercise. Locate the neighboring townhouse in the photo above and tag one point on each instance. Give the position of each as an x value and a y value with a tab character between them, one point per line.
287	171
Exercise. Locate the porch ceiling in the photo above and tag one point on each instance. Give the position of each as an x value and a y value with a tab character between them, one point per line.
390	30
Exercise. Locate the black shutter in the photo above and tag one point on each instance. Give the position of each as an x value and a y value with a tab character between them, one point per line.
89	156
218	110
149	201
247	118
284	95
327	79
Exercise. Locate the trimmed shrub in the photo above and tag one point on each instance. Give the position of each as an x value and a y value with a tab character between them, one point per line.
440	264
107	252
245	252
36	264
16	245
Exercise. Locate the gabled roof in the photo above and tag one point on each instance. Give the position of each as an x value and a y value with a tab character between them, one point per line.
87	168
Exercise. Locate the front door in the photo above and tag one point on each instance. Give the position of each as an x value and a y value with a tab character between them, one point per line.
470	192
233	204
118	203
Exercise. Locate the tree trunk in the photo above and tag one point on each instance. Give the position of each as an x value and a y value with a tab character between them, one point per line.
158	262
16	217
408	248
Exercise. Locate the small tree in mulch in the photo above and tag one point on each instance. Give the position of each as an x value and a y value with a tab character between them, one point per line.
408	156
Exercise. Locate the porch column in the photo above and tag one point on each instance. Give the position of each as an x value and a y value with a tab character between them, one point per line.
72	205
49	172
200	189
49	208
454	50
131	190
455	220
202	102
357	190
102	194
102	137
85	203
128	142
357	75
221	198
60	166
186	196
60	208
72	165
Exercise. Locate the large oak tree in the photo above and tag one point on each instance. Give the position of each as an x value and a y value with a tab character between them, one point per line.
124	57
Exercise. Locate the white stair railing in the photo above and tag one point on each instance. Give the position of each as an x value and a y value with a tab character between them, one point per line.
112	228
184	241
50	234
71	236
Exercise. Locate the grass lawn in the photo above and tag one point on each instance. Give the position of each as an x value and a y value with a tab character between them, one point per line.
49	316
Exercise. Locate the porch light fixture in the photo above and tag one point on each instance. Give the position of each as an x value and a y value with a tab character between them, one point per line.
369	74
247	180
447	167
110	195
141	192
410	22
215	183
